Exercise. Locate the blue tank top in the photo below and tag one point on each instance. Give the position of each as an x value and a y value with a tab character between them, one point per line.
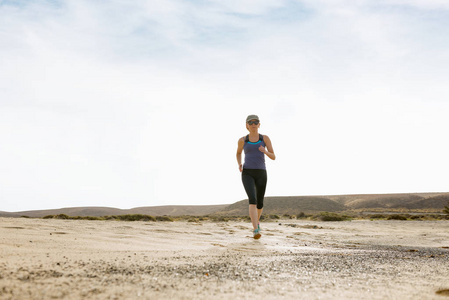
254	159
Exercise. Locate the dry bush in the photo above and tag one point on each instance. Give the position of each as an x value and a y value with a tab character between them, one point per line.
397	217
327	216
446	209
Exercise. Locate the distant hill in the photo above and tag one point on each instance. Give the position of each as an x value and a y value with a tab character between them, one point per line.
313	204
433	202
169	210
286	205
393	201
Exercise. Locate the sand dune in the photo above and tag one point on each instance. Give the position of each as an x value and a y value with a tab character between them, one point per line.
68	259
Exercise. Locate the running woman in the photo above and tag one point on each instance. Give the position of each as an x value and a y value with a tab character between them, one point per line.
254	173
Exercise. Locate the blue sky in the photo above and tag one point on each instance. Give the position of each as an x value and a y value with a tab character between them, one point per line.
129	104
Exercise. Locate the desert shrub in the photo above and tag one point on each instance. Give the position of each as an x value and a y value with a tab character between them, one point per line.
273	217
287	216
164	219
62	216
124	218
147	218
327	216
378	216
90	218
446	209
397	217
213	218
301	215
25	217
436	217
135	217
220	219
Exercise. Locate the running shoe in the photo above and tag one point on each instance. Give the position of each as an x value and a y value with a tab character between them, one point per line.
256	234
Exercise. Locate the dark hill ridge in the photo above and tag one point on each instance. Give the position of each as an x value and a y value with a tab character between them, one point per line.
286	205
172	210
389	201
437	202
313	204
273	205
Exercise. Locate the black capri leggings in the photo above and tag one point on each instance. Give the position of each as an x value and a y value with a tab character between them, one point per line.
255	182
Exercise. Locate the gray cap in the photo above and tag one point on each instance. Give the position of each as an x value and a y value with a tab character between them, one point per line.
252	117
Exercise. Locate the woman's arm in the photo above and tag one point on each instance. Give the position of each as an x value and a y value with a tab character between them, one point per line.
239	153
269	148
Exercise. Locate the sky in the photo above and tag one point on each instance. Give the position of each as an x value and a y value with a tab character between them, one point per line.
141	103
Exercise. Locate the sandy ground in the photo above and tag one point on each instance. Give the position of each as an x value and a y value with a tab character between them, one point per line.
294	259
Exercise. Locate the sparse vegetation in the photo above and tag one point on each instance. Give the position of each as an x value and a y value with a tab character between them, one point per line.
327	216
428	205
377	216
135	217
62	217
404	217
301	215
322	216
446	209
397	217
288	216
164	219
87	218
215	218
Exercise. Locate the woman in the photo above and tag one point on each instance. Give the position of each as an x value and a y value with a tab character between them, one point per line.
254	173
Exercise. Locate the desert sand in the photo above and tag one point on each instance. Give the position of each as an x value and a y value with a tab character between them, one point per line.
294	259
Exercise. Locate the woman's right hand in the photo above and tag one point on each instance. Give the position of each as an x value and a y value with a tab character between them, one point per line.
241	168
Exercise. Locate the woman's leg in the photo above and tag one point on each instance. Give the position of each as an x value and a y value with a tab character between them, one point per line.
253	214
259	213
250	187
261	184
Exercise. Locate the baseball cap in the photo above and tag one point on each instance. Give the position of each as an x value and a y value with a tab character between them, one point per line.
252	117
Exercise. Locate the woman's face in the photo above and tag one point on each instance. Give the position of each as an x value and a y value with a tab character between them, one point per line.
252	125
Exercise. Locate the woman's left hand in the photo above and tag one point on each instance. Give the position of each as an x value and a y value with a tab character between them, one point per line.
262	149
